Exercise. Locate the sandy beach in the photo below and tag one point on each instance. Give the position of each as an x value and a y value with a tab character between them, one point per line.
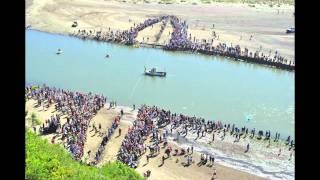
171	168
233	23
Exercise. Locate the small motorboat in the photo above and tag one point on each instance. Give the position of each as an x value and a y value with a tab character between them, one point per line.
290	30
153	72
59	51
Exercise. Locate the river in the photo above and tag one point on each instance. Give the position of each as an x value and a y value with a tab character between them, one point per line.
215	88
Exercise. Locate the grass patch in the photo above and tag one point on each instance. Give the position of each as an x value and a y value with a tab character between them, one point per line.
34	88
51	161
167	1
34	120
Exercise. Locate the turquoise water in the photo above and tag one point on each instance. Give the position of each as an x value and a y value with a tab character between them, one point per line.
214	88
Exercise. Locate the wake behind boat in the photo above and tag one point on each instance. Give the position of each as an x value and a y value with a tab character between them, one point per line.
153	72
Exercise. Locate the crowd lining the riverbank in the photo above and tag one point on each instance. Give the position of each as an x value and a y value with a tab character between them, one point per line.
79	108
151	120
181	41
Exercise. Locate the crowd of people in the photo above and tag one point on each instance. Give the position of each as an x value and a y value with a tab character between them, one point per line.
162	27
180	41
126	37
133	145
51	125
105	139
151	120
184	124
179	36
79	108
133	32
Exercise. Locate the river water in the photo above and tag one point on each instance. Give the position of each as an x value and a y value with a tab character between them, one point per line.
214	88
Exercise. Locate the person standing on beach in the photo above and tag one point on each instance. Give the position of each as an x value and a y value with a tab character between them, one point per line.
248	146
191	149
121	112
279	152
119	132
269	144
134	106
198	133
212	159
212	136
147	159
290	155
162	160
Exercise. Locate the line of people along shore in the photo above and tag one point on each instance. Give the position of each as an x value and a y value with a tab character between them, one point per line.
105	140
80	108
151	119
181	41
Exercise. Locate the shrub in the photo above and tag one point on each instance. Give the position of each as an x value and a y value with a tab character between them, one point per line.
34	88
34	120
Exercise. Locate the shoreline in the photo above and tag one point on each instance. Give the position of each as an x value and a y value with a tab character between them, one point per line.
141	169
226	144
248	60
111	18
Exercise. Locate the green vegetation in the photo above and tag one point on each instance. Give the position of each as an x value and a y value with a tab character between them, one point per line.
167	1
51	161
206	1
34	88
35	121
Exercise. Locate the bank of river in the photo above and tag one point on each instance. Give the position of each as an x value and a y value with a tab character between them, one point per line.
210	87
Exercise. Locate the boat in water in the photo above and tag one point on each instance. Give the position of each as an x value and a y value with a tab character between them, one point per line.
153	72
59	51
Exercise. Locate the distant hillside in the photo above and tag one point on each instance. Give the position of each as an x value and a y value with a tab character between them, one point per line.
51	161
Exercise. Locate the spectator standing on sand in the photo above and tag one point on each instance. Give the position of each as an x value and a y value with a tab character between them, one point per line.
121	112
248	146
212	136
214	176
279	152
